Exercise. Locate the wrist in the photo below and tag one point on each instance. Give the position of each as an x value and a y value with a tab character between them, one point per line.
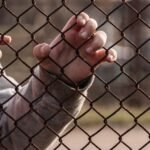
46	75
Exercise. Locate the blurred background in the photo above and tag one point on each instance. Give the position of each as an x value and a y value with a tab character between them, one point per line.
119	99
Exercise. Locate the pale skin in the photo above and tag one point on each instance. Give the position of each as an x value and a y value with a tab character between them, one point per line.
79	36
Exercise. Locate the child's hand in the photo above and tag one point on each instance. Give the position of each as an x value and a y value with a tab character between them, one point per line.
77	33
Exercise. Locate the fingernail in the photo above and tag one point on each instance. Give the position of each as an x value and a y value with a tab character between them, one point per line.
110	57
84	35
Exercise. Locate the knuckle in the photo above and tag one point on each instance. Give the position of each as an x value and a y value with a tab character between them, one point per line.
92	23
82	19
84	16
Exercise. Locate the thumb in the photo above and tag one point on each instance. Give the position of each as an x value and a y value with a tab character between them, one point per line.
41	51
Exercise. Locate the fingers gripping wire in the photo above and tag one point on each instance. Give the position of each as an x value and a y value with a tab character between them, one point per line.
118	96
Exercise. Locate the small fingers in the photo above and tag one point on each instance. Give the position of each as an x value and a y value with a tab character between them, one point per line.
106	56
101	56
82	19
5	39
89	29
112	56
97	42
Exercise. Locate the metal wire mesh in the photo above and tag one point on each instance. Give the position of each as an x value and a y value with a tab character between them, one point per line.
118	104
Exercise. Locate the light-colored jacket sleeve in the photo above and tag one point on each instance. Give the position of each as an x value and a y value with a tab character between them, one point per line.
39	112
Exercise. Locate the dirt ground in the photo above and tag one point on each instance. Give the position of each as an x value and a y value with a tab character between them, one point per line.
106	139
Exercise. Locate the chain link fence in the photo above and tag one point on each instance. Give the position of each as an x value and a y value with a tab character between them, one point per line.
116	114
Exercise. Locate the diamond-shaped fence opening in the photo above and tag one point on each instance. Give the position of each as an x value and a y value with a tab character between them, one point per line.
23	6
111	112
